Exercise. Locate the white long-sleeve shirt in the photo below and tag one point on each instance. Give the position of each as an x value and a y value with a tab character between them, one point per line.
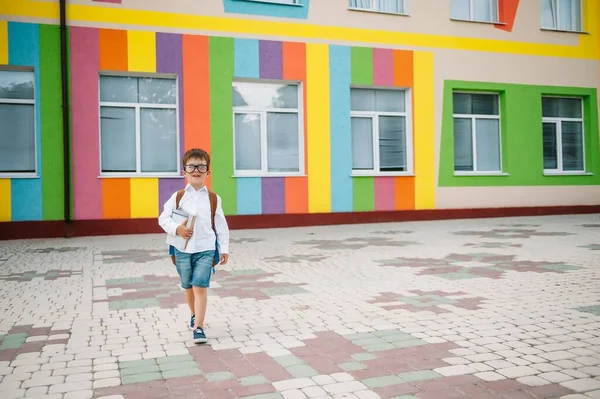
195	202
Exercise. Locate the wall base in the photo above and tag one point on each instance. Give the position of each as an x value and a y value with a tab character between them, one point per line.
81	228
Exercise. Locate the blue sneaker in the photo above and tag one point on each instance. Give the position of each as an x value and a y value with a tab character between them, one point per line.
192	322
199	336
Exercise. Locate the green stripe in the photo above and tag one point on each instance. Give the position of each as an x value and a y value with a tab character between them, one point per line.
221	121
51	129
363	188
362	66
363	193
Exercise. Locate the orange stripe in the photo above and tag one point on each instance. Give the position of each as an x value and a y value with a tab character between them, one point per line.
405	193
294	68
116	199
196	94
403	68
403	77
113	50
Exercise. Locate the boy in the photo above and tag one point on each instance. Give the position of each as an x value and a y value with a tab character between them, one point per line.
195	246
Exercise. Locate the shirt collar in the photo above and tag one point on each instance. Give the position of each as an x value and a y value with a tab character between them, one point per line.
192	189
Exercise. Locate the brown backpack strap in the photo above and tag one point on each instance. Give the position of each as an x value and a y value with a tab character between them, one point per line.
213	208
178	198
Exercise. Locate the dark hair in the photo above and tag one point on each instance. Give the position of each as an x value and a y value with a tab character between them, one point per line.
196	153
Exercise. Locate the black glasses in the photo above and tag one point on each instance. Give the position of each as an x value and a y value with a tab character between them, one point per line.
199	168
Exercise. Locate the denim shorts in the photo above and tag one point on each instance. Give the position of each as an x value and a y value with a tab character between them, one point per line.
194	269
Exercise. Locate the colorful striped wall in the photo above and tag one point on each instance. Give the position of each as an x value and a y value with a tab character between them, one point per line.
206	67
37	198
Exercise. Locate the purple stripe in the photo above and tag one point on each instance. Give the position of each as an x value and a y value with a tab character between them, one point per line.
270	59
169	59
273	195
166	188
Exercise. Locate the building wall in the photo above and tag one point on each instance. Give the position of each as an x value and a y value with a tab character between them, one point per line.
39	197
208	44
206	67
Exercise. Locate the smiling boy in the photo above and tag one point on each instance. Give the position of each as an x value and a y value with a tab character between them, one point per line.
196	245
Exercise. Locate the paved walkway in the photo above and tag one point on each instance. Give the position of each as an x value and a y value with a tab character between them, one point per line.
498	308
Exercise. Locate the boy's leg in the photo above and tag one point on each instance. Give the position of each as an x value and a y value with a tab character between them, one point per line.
201	272
189	298
183	263
201	299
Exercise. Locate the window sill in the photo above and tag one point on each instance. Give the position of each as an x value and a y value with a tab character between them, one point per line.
139	176
279	3
478	21
19	176
551	173
238	176
578	32
476	174
401	14
382	174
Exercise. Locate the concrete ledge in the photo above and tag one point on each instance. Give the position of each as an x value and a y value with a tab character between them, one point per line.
83	228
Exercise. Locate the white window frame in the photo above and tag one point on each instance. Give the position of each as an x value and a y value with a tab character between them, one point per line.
374	116
34	174
264	171
403	6
138	130
559	150
495	18
474	118
557	18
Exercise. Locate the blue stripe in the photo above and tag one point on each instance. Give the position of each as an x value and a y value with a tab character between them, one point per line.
341	137
249	193
245	57
24	50
249	189
271	9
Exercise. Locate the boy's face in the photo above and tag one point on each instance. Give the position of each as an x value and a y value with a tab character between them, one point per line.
196	170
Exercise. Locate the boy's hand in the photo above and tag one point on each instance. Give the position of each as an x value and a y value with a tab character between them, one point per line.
224	259
183	231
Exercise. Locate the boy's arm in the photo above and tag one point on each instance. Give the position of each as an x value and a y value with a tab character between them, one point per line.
165	220
222	228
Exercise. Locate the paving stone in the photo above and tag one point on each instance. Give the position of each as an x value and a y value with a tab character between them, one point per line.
582	385
143	377
518	371
357	325
455	370
297	383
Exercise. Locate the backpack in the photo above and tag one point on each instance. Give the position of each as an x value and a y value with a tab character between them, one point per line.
213	208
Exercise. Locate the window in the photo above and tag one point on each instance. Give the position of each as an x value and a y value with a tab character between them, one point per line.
563	134
562	15
476	132
268	133
17	129
474	10
390	6
380	120
139	125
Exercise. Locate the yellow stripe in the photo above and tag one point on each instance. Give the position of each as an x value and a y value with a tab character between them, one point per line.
141	51
5	206
3	42
80	13
319	157
424	131
144	198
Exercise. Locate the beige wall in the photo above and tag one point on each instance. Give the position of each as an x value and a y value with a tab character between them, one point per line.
426	16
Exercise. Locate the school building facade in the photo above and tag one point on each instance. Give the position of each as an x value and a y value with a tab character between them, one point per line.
314	111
